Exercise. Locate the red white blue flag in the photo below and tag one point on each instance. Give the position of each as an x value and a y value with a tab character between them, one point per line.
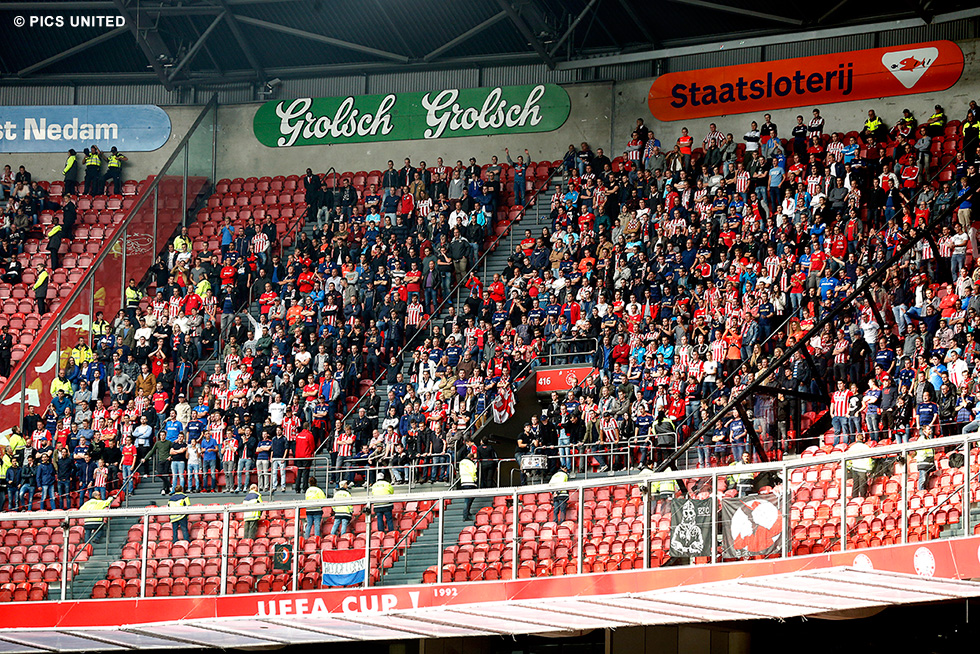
343	567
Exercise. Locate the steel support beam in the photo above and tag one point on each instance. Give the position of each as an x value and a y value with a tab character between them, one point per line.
803	395
753	434
921	10
738	10
236	31
640	25
394	29
154	50
473	31
571	28
189	57
874	309
830	12
826	320
527	33
71	52
207	49
320	38
735	42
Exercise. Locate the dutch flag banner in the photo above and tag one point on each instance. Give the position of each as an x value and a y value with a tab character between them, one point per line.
343	567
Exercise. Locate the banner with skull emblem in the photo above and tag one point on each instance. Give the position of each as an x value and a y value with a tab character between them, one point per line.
690	527
751	526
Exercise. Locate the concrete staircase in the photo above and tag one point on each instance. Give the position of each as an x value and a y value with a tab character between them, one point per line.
536	217
424	552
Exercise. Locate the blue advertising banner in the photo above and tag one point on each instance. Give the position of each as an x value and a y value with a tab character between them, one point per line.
56	128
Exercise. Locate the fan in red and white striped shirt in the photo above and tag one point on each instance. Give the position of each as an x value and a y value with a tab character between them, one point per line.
742	179
814	184
414	313
173	308
290	427
260	243
839	401
100	477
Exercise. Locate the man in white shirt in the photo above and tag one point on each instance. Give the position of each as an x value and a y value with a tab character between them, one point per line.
277	410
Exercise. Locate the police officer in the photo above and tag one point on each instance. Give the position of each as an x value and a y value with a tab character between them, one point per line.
342	514
559	498
467	480
665	489
93	525
936	125
178	522
133	297
859	468
253	498
383	489
71	172
113	170
40	289
314	515
925	464
93	169
744	481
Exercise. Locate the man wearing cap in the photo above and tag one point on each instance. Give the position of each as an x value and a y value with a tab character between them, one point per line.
468	480
560	495
382	490
314	514
341	514
251	517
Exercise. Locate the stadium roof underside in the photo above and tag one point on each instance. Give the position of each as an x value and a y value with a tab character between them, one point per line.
195	42
839	592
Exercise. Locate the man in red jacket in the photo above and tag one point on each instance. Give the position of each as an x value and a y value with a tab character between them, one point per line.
305	446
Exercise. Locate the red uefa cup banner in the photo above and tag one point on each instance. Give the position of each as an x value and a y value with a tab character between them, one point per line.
804	81
942	559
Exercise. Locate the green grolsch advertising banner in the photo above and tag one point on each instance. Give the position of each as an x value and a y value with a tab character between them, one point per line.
411	116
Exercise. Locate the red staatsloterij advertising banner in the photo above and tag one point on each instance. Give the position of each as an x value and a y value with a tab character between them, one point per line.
806	81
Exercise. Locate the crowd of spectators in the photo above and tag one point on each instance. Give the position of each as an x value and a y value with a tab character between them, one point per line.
677	275
694	266
333	315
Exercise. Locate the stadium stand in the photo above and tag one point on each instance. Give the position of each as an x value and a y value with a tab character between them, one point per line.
791	217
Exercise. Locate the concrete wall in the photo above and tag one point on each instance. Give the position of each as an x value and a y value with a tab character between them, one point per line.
631	103
601	113
240	155
49	166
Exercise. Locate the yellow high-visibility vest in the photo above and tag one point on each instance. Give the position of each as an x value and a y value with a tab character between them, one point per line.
382	488
175	501
342	510
253	515
95	505
467	472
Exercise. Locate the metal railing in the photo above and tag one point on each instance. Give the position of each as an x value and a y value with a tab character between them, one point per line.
849	473
455	291
51	331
